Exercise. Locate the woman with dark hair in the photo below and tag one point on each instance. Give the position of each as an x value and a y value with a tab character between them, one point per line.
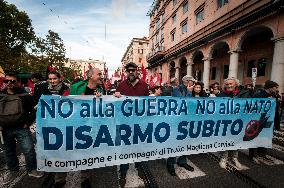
198	90
156	91
215	89
53	86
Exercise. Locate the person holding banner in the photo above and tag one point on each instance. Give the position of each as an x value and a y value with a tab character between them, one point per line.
215	89
132	86
184	90
270	91
15	128
53	86
198	90
232	89
156	91
93	85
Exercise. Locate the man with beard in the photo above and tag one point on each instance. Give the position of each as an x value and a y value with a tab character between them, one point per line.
132	86
91	86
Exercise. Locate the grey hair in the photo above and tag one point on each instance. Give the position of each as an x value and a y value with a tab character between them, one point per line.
237	81
91	71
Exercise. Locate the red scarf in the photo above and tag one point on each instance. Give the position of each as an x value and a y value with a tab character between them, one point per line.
234	92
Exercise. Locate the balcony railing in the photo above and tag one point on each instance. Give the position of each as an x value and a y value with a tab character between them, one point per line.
156	53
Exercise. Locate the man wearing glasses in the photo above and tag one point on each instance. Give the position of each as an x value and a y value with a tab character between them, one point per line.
18	130
132	86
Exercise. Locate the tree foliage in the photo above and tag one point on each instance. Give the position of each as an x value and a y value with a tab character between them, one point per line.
55	50
16	32
22	51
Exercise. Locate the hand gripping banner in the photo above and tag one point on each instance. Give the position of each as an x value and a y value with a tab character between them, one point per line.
83	132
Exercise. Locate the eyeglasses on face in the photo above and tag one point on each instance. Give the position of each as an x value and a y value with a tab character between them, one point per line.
9	81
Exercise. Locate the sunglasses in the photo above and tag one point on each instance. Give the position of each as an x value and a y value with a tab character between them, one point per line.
11	81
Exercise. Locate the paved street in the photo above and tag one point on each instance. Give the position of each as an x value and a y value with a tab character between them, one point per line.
154	173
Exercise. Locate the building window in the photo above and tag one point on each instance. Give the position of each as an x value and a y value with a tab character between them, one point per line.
173	35
158	24
140	60
140	43
251	64
184	28
163	18
162	34
213	73
261	66
162	46
174	2
221	3
226	71
199	15
185	7
174	19
157	38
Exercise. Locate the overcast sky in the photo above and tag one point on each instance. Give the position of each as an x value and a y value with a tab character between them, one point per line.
81	25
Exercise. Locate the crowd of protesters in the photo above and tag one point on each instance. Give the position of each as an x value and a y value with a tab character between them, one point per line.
20	134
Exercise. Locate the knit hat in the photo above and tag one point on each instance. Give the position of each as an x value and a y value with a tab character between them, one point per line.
270	84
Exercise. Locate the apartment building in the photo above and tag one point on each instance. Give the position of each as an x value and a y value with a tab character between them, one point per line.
136	52
214	39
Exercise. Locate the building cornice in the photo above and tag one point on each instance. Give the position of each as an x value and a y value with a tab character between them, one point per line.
205	35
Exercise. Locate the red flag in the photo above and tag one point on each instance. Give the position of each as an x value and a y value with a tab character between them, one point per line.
31	85
116	74
105	85
106	72
123	77
159	79
144	73
152	83
90	66
50	68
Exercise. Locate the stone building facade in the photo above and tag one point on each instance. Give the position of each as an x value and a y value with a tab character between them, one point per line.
136	52
214	39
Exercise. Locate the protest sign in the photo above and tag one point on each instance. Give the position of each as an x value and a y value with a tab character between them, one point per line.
82	132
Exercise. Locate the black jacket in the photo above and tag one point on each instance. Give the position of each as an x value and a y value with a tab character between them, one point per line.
42	89
28	107
263	94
